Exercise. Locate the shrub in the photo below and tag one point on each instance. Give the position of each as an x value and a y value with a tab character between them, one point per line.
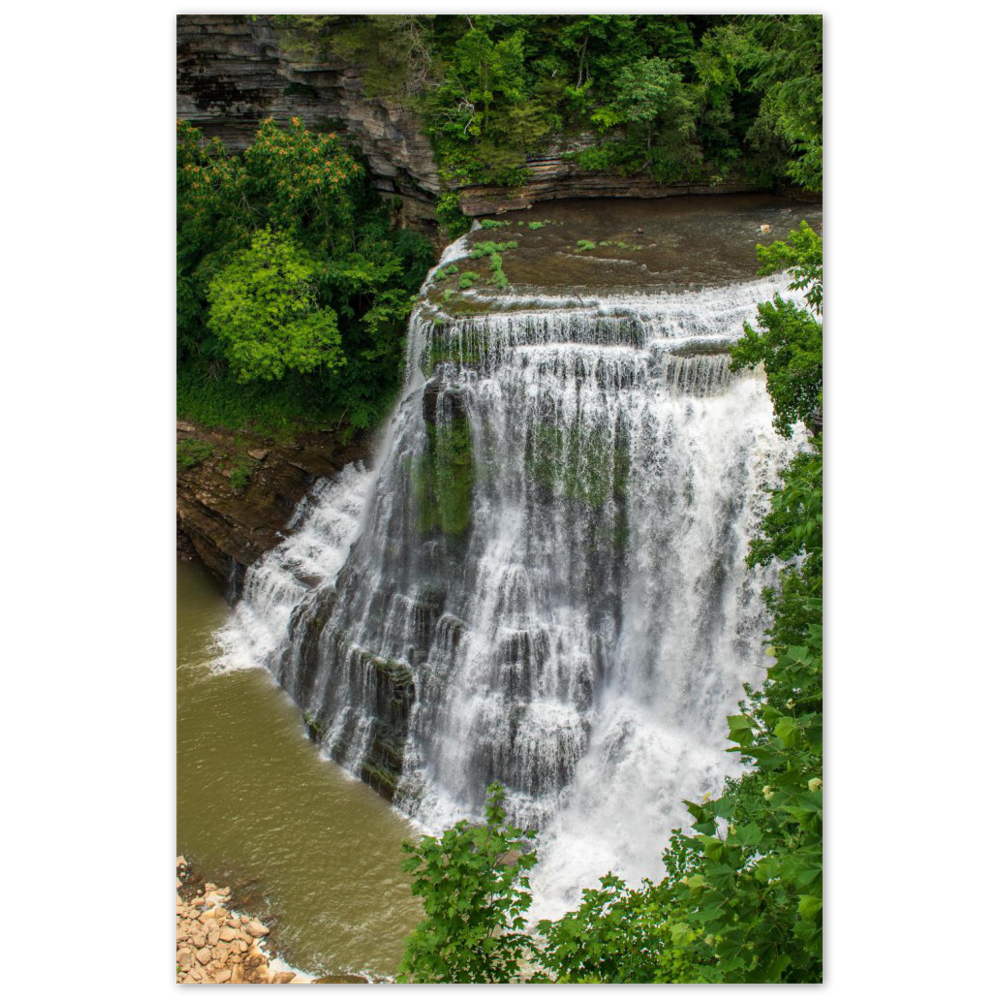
474	885
241	473
192	452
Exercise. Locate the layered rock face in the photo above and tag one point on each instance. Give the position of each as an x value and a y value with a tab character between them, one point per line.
234	504
551	176
232	72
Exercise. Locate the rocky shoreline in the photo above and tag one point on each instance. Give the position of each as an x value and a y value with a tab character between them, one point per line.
218	945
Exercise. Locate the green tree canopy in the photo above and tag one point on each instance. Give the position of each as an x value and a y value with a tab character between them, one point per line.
789	341
263	307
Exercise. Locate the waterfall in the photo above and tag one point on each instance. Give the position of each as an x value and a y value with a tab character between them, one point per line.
541	580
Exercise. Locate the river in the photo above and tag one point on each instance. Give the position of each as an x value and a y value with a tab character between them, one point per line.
301	842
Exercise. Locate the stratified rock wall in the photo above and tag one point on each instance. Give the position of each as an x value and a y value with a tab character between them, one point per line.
232	72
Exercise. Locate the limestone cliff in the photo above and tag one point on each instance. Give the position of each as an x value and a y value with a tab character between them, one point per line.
233	71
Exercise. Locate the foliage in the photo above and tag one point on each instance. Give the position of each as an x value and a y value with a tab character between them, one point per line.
488	248
677	97
263	308
493	250
449	213
656	114
474	886
241	473
623	935
788	64
324	327
192	452
789	341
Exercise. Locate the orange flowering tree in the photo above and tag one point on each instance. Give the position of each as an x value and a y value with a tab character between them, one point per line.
362	273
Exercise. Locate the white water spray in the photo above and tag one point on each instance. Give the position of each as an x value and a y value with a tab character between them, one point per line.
542	581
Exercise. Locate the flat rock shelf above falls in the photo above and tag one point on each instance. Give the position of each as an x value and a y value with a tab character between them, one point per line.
542	579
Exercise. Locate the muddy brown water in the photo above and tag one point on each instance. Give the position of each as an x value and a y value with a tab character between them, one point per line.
638	245
301	843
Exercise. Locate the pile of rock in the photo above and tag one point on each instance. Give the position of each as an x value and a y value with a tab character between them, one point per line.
215	945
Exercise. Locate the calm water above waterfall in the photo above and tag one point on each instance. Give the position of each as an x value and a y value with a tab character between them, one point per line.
540	579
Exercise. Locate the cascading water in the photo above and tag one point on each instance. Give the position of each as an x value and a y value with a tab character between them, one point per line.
542	580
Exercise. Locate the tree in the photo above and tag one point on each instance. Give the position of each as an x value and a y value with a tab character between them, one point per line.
263	308
473	880
789	341
789	73
335	360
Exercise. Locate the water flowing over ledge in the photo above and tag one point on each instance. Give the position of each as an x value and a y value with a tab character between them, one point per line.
541	580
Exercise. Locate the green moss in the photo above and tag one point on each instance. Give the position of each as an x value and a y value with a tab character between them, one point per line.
582	246
380	778
493	223
241	474
192	452
586	466
314	726
443	479
446	351
468	279
466	306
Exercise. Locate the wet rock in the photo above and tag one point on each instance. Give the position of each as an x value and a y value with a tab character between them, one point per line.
228	529
256	929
